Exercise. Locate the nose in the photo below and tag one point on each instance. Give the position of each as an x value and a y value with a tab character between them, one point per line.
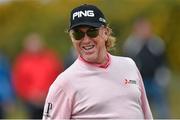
86	39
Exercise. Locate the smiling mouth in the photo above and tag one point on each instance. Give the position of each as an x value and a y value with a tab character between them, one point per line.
88	47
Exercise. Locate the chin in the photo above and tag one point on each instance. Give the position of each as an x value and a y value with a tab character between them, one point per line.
90	58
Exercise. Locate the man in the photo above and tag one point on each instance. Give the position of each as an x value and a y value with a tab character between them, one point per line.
34	70
97	85
148	51
7	98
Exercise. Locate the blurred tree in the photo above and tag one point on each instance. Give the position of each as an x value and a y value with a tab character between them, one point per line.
49	18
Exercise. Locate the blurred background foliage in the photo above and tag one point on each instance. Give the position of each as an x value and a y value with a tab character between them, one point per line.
50	18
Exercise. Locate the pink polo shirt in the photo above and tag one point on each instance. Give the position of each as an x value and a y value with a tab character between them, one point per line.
88	91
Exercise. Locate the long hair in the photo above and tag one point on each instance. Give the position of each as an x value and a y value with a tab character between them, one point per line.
110	43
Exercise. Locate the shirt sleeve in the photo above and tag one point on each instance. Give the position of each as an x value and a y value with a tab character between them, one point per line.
144	101
57	105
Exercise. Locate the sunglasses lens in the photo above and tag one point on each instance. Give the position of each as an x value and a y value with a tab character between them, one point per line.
93	32
78	35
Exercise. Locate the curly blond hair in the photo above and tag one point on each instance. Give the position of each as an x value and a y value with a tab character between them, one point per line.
110	43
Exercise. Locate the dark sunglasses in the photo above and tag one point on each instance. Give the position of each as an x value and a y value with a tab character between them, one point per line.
91	32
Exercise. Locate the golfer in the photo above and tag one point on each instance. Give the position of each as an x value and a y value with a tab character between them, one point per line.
97	85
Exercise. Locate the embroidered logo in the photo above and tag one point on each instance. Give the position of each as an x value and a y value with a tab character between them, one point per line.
126	81
48	109
102	20
86	13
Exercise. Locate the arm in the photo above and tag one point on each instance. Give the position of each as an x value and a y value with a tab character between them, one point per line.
144	102
57	105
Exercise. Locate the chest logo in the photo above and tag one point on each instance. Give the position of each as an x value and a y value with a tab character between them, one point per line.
126	81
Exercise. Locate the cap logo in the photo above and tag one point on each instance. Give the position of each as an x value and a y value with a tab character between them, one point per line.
102	20
85	13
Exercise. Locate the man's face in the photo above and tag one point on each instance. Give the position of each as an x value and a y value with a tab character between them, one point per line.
90	46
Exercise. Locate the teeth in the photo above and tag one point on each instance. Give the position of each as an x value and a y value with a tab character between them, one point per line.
88	47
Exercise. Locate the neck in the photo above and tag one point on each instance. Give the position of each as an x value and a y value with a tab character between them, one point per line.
104	60
103	64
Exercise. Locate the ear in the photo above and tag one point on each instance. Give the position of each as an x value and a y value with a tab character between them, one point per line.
70	35
106	34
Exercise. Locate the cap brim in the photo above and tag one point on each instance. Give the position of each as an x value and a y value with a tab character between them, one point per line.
87	23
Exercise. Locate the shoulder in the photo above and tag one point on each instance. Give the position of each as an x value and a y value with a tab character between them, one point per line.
61	86
123	63
64	79
121	59
156	45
